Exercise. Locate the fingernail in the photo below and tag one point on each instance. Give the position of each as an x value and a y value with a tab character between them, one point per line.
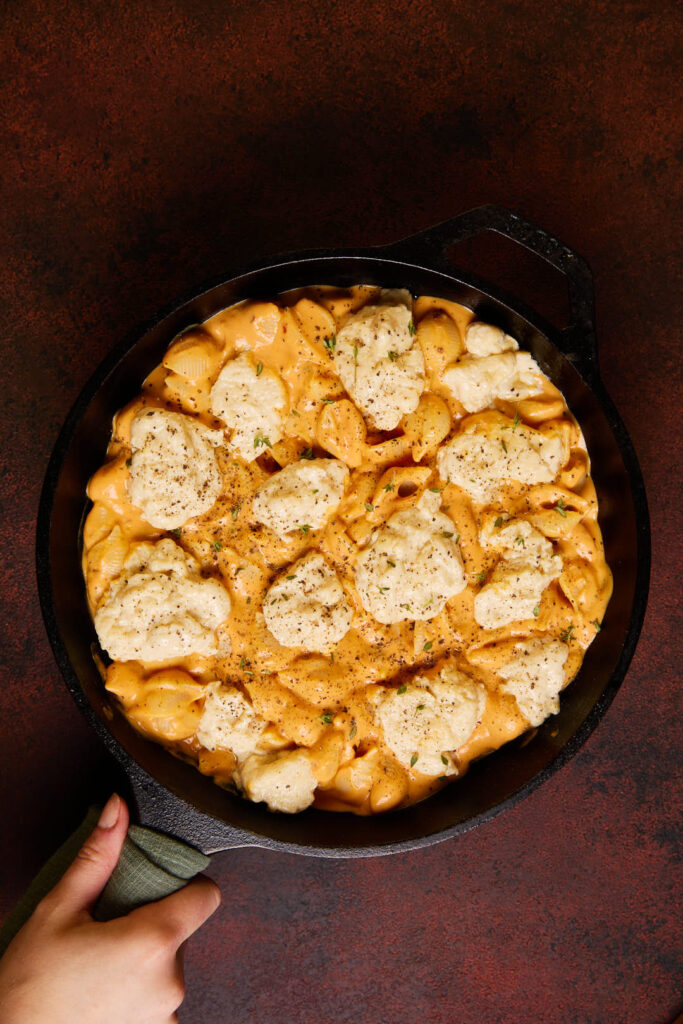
110	812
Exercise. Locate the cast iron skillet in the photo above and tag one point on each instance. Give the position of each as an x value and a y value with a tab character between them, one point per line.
173	797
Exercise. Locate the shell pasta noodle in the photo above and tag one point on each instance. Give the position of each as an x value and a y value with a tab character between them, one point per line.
343	544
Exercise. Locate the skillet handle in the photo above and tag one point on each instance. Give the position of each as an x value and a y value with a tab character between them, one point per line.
161	810
577	341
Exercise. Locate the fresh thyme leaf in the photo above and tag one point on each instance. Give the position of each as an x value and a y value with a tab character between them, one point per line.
456	539
259	369
520	540
326	719
515	422
437	490
499	522
243	662
307	453
561	508
402	689
392	564
329	401
330	342
382	590
393	356
369	507
235	512
292	577
413	761
598	625
260	442
428	645
447	534
353	731
355	353
537	610
444	759
295	413
481	576
505	447
176	532
420	707
568	634
389	487
217	545
305	528
412	329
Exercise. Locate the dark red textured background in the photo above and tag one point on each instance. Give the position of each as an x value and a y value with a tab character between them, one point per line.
150	146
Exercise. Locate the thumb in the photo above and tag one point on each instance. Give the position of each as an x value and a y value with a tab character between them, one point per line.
84	880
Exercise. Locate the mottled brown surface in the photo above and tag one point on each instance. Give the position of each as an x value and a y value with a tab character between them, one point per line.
149	147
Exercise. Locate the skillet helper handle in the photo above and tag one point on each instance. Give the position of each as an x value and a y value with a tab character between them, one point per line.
577	341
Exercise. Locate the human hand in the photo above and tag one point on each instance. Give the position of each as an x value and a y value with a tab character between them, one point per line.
63	966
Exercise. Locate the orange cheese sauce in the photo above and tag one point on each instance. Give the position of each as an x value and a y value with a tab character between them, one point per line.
324	702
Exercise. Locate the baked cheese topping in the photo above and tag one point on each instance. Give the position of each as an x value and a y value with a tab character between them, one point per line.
477	382
229	722
320	575
411	565
486	340
284	780
526	567
303	493
534	676
380	363
250	400
426	721
160	607
174	474
485	455
306	607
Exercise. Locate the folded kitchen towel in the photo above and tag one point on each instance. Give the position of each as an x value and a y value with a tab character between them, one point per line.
150	867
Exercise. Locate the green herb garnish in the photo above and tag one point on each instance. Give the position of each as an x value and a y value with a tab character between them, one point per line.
392	356
444	759
428	645
330	342
217	545
326	719
413	761
561	508
389	487
568	634
537	611
259	369
402	689
499	522
307	453
260	442
412	329
369	507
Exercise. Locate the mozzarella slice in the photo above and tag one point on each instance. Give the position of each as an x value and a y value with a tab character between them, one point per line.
307	606
534	676
483	456
516	585
427	720
284	780
380	363
174	473
251	402
477	382
486	340
304	493
411	565
229	722
161	607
